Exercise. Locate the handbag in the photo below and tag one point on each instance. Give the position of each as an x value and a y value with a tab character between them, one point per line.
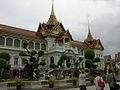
101	83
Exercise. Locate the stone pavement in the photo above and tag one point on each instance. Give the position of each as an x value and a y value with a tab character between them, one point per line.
92	87
89	88
72	88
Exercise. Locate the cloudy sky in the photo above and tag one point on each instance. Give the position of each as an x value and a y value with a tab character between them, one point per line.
103	15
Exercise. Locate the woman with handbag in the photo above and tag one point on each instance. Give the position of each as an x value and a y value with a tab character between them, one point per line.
99	83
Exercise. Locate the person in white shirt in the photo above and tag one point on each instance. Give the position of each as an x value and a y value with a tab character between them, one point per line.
82	80
96	81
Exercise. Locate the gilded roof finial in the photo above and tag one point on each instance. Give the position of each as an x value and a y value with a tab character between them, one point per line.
52	12
52	19
89	37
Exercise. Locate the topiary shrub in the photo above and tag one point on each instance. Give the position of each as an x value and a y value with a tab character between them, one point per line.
52	65
43	63
74	80
5	56
6	75
96	59
88	64
89	54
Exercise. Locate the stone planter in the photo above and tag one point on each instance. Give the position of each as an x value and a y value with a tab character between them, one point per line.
51	85
18	87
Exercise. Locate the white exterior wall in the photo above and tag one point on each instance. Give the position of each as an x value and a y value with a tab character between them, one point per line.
12	55
56	51
99	54
51	42
14	52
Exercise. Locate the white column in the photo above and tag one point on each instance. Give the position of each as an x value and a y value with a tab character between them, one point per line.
40	46
20	44
5	42
12	60
13	42
19	61
34	45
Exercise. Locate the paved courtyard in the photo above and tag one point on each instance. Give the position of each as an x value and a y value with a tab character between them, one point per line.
89	88
92	87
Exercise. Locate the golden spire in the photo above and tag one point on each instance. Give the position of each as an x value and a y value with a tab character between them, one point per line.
52	12
52	19
89	37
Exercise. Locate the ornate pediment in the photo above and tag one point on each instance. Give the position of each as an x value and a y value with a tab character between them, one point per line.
99	45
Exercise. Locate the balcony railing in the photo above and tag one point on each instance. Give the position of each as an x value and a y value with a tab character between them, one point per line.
62	49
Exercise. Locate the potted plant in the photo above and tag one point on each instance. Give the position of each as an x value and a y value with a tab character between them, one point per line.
91	79
51	83
19	84
74	80
43	63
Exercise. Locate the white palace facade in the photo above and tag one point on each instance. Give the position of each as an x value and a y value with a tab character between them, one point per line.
52	38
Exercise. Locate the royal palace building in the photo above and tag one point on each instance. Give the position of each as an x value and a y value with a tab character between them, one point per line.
52	38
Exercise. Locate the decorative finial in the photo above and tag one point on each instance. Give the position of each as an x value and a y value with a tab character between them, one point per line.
52	19
52	12
89	37
88	23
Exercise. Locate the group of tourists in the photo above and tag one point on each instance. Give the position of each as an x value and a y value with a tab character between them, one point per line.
98	81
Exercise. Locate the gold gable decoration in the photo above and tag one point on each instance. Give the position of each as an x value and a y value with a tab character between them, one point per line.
98	45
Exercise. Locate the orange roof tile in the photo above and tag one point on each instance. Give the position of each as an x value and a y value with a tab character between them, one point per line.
24	32
76	43
92	44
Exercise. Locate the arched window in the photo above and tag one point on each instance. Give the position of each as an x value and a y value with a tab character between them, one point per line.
31	45
23	41
37	45
82	52
9	42
17	43
43	47
2	41
51	59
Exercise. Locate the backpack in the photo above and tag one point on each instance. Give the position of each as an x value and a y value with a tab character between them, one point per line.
101	83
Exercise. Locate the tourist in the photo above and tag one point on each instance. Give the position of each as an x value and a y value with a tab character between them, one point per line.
111	80
82	80
47	76
99	83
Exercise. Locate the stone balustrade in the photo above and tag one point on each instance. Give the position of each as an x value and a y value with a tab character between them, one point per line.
3	86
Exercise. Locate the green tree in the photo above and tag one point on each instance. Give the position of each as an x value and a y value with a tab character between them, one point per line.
52	65
31	64
97	59
5	56
2	65
89	54
62	59
43	63
89	64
